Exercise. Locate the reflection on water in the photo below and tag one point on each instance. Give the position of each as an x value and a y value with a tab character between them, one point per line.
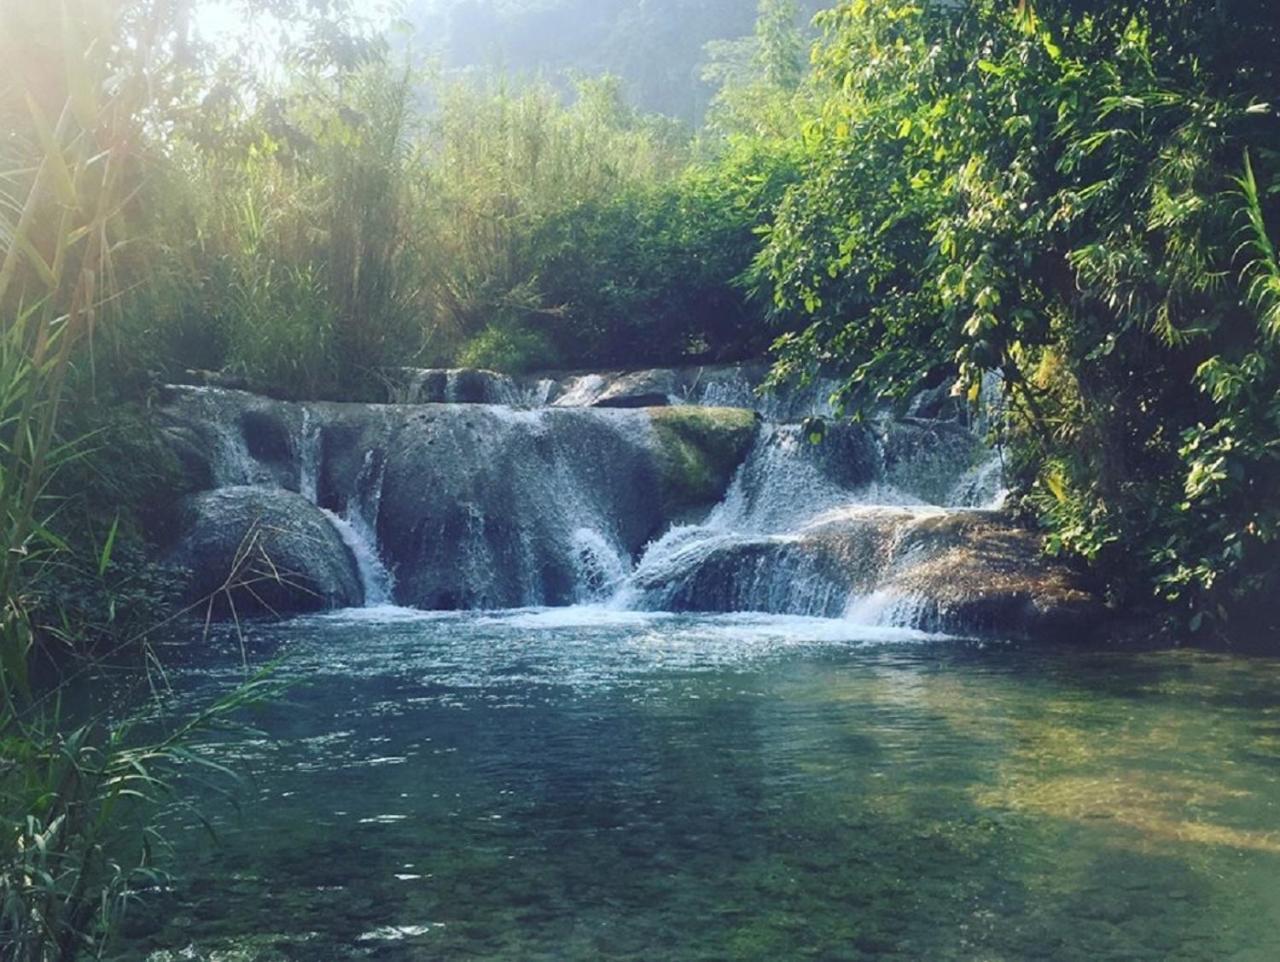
587	784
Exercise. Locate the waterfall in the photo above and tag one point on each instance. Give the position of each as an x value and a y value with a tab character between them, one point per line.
497	492
488	506
356	523
982	486
309	458
374	577
600	567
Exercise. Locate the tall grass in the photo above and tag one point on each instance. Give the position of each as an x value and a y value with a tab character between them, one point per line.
368	218
66	187
502	166
291	242
73	792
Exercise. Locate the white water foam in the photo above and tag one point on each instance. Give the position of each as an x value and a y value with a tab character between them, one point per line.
746	626
309	458
374	577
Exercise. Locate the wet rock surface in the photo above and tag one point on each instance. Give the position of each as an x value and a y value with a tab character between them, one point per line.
488	508
723	385
974	574
587	489
698	451
254	551
984	574
474	505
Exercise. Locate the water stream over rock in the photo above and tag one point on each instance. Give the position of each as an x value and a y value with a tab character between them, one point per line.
656	490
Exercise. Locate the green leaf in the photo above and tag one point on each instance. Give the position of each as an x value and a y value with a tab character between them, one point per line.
104	560
54	162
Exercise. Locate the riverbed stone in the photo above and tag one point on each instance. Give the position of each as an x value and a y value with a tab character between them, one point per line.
973	573
256	551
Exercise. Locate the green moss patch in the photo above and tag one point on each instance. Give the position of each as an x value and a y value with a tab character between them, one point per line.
698	451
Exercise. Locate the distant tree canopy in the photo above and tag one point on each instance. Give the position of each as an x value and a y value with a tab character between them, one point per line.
655	47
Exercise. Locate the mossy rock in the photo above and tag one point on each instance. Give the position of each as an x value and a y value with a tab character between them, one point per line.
699	449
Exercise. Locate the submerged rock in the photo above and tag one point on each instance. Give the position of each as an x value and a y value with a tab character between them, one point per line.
255	551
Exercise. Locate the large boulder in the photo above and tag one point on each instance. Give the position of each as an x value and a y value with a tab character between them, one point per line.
480	505
256	551
639	389
484	507
973	573
816	571
226	438
979	573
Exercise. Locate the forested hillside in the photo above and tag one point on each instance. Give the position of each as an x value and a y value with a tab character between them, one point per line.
657	47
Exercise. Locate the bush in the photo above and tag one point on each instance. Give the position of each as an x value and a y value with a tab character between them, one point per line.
509	348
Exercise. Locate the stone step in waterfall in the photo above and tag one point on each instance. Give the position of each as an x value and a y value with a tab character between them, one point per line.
553	498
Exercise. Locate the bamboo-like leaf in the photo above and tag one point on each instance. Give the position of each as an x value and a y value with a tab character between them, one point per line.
78	57
54	161
43	268
104	559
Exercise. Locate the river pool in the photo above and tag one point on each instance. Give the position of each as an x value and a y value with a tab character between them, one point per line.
590	784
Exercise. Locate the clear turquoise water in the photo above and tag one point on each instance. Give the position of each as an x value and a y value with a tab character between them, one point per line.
591	785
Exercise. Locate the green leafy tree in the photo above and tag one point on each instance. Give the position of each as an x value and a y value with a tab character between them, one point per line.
1048	193
780	53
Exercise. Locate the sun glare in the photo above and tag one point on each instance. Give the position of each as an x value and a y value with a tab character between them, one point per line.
229	26
223	23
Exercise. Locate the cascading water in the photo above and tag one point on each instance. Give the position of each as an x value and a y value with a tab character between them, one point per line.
309	458
600	568
375	580
353	522
529	503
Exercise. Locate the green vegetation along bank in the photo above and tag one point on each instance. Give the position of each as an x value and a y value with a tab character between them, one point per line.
1078	198
1072	201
